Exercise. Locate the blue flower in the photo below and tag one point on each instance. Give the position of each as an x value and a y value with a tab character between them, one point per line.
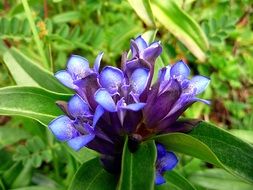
166	161
113	103
74	128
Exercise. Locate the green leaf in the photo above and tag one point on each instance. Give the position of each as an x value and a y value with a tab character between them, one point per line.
67	17
11	135
24	177
91	175
138	168
178	180
10	175
82	155
149	36
28	73
245	135
37	40
36	188
218	179
181	25
31	102
143	10
213	145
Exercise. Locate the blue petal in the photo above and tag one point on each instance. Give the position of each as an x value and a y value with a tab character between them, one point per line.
152	52
164	73
141	43
97	62
121	112
180	69
98	113
159	179
169	161
77	107
78	66
161	150
200	83
78	142
62	128
134	107
103	98
88	128
138	80
134	49
111	78
65	78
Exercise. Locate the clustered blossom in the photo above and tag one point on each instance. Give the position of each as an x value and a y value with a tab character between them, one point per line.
111	103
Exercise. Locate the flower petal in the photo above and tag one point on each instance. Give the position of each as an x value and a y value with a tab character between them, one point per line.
134	49
111	78
138	80
134	107
169	161
103	98
98	113
152	52
180	69
78	66
141	43
159	180
200	83
164	73
86	89
163	103
77	107
161	150
78	142
65	78
97	62
62	128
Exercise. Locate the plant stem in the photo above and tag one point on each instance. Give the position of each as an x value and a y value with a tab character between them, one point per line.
35	33
50	58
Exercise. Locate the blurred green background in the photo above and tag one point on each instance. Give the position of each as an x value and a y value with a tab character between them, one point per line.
214	37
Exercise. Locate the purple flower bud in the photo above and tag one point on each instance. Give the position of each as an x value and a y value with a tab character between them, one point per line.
166	161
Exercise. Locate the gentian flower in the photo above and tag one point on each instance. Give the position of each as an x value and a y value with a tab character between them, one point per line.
113	103
166	161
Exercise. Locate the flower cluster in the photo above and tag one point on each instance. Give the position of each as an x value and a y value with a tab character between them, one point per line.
111	103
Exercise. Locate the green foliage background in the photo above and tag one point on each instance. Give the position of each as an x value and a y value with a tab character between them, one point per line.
38	37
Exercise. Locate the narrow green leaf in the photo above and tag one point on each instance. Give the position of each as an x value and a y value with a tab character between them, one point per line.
37	39
31	102
63	30
26	72
214	145
218	179
19	75
24	177
36	188
11	173
178	180
149	36
143	10
181	25
138	168
1	185
67	17
91	176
